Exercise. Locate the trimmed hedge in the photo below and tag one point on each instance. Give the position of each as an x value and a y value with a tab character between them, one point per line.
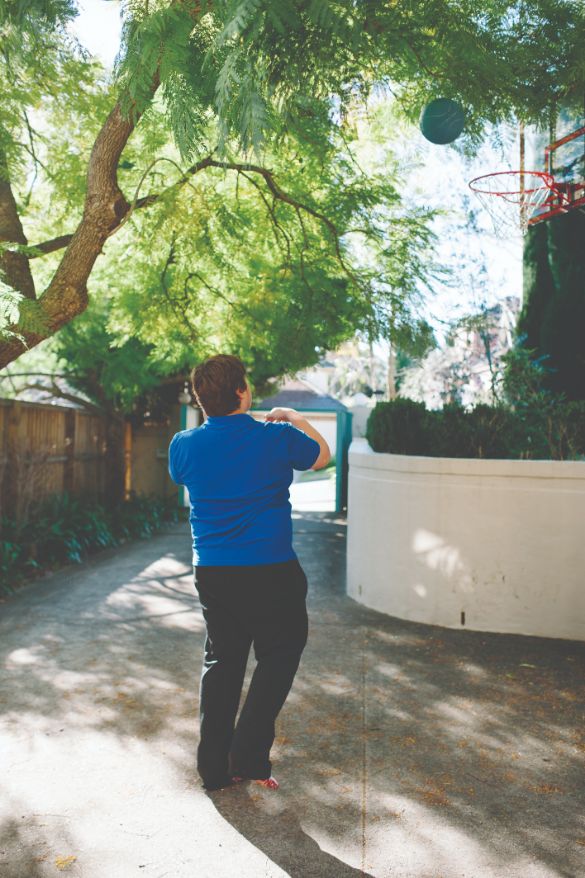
65	529
407	427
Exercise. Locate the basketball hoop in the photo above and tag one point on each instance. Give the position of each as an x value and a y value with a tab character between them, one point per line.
516	199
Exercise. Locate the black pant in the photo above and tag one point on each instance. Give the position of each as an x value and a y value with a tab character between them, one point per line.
264	605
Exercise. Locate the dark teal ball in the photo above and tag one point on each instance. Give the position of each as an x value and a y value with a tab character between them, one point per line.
442	121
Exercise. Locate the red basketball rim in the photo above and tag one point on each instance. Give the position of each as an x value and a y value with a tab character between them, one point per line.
546	181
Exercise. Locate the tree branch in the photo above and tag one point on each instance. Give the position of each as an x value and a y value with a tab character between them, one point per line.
242	168
13	264
55	391
279	194
105	206
235	305
272	213
181	315
52	245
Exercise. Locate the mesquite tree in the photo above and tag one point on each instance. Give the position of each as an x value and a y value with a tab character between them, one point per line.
234	82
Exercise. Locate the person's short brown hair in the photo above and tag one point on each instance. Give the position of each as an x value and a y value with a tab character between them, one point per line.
215	382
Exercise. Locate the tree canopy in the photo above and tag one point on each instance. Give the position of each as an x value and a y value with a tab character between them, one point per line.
258	97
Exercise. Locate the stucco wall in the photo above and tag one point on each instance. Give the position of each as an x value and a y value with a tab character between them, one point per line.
360	413
501	541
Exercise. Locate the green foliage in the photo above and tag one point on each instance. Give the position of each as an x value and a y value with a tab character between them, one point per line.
65	529
11	557
254	65
40	66
140	517
110	371
219	261
33	17
524	378
413	339
552	320
556	424
222	263
406	427
538	284
16	309
485	431
10	305
400	426
497	58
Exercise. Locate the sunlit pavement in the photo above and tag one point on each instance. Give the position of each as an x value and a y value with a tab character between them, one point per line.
315	492
404	750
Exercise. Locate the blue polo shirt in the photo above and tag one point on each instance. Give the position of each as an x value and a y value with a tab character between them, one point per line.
237	471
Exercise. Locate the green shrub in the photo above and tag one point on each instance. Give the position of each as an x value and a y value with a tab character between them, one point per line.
572	440
10	554
401	425
548	433
64	529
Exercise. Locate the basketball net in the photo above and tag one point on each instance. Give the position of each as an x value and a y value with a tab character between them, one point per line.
513	198
516	199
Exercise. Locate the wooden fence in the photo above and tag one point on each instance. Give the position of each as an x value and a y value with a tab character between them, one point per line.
47	450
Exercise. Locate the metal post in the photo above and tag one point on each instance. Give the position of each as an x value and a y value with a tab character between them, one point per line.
344	421
338	464
522	169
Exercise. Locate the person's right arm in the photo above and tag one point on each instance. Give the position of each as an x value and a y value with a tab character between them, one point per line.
297	420
172	463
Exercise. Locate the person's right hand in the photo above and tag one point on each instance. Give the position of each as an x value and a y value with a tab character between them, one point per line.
282	414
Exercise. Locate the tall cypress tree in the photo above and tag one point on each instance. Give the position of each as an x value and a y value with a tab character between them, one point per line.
553	317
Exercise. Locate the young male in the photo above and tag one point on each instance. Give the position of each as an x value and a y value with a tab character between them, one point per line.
251	585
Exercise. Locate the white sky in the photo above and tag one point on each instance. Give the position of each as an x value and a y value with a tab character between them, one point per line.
97	27
442	182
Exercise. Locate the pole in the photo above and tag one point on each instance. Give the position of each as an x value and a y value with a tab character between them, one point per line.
522	136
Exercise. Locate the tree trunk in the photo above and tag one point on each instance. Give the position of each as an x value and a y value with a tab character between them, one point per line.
391	373
105	207
14	266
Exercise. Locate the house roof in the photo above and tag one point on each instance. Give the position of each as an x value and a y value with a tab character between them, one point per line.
49	398
298	395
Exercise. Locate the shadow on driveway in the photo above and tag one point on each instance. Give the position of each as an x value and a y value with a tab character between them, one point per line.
404	750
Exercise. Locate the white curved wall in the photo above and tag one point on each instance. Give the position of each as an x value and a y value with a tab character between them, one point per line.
502	541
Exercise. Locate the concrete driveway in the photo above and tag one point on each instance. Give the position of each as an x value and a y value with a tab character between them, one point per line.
404	750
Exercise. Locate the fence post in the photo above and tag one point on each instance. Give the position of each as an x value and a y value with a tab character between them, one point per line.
69	467
10	486
127	460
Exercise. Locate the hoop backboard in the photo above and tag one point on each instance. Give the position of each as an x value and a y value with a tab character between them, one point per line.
563	158
549	180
